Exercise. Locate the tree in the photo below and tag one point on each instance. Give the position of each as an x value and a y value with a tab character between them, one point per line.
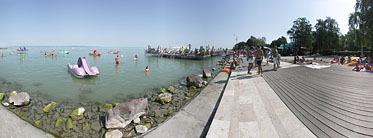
279	41
239	46
326	36
301	32
253	41
362	22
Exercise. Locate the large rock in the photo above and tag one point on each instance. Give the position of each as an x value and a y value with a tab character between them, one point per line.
194	80
19	99
122	115
141	129
206	73
165	97
114	134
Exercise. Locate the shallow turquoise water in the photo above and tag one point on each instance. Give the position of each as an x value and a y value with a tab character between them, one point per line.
49	76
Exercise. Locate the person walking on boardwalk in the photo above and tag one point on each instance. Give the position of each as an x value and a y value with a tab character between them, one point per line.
275	58
250	59
259	58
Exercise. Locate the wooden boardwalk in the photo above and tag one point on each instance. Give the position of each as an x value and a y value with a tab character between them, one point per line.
331	102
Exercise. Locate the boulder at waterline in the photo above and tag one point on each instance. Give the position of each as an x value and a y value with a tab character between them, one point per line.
136	121
49	107
194	80
6	104
123	114
165	98
19	99
114	134
206	73
77	113
141	129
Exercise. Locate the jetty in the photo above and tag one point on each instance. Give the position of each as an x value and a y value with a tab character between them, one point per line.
185	53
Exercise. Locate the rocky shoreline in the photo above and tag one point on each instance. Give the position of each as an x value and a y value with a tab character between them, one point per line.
91	119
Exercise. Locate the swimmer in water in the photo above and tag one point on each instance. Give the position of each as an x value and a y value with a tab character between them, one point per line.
117	59
136	56
147	69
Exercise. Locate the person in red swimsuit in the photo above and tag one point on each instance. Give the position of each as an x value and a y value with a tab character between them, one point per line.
117	59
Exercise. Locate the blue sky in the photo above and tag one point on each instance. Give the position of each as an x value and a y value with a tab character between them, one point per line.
138	23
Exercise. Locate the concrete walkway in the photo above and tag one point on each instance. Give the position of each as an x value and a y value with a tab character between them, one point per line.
250	108
13	127
191	121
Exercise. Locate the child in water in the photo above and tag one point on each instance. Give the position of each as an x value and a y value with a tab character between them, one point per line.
117	59
147	69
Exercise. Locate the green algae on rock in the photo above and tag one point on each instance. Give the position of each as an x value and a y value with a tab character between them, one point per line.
77	113
105	107
49	107
12	93
59	122
163	90
38	123
1	96
69	124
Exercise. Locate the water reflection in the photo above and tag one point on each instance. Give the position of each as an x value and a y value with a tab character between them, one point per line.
116	67
89	80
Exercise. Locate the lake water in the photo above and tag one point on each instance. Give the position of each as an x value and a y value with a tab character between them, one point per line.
49	76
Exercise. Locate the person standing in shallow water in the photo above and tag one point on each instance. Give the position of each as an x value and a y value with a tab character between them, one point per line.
117	59
259	58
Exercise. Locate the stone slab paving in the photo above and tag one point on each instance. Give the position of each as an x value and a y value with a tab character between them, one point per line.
13	127
192	119
250	108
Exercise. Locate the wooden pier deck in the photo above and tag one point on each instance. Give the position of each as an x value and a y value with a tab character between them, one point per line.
331	102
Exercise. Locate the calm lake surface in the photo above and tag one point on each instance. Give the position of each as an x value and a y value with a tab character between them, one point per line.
50	77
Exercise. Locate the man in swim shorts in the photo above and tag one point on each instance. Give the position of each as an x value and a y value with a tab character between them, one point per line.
259	58
117	59
275	58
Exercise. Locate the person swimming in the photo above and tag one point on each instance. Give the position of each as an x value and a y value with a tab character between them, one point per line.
136	56
146	69
117	59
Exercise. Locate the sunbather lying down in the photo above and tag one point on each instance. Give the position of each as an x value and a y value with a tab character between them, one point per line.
356	68
366	67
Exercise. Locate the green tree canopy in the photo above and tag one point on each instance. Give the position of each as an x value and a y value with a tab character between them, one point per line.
301	32
278	42
326	36
240	45
361	21
253	41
